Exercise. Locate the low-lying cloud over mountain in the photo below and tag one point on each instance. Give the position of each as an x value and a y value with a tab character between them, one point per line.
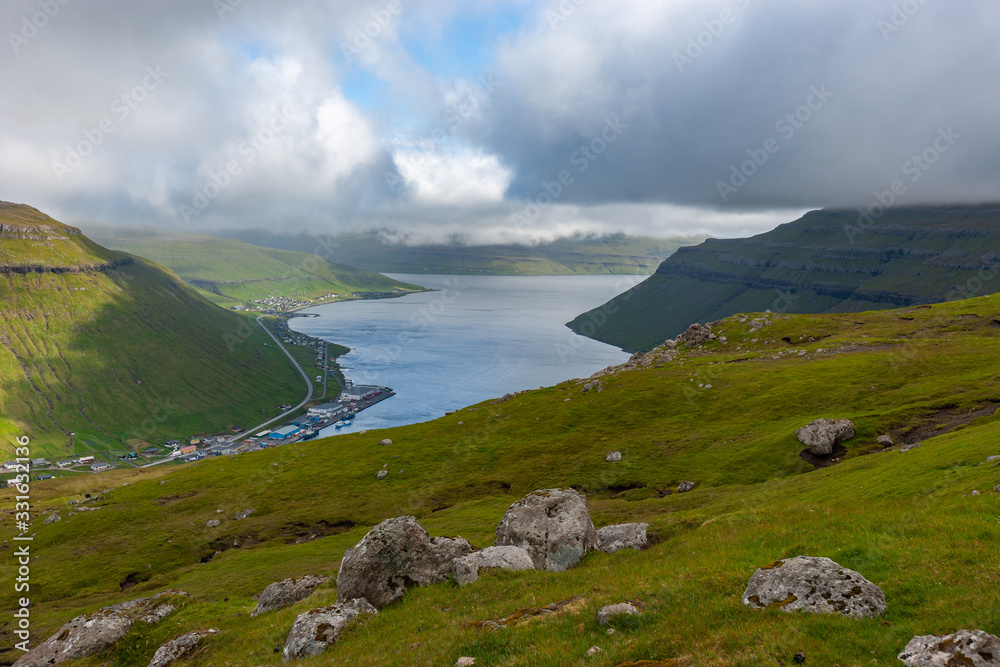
495	121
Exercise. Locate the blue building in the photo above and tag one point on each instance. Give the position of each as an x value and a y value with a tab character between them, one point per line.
285	432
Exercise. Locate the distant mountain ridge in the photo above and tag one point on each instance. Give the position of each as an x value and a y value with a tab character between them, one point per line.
827	261
614	254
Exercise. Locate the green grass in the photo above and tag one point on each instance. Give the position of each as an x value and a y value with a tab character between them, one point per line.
905	521
120	356
231	272
616	254
910	256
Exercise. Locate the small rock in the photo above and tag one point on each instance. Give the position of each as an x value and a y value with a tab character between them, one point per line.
799	658
594	650
218	511
313	631
885	440
623	536
972	648
178	647
996	489
244	514
52	518
214	523
906	448
613	457
465	661
515	559
816	585
991	459
822	435
381	474
685	486
284	593
621	609
975	493
385	442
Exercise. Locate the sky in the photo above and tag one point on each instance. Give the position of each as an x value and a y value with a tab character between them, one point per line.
494	120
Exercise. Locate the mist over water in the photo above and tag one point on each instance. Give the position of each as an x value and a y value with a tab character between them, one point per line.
476	338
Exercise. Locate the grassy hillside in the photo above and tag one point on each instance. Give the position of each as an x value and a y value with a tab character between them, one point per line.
906	521
116	350
617	254
826	262
232	272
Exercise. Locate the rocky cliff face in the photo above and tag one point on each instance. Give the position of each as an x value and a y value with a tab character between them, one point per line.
828	261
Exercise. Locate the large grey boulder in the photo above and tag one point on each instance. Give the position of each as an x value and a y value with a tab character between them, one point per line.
466	568
281	594
816	585
313	631
696	334
81	637
552	525
823	434
971	648
396	555
177	648
623	536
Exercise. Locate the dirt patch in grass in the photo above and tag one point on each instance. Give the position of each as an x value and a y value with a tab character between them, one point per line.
573	605
942	421
831	459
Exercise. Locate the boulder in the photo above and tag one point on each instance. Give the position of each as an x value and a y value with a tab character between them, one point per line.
621	609
178	647
885	440
465	661
81	637
821	435
973	648
396	555
214	523
244	514
381	474
695	335
613	457
466	568
623	536
313	631
387	441
815	585
284	593
52	518
685	486
552	525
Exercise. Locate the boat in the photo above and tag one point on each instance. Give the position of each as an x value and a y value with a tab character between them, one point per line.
309	434
340	424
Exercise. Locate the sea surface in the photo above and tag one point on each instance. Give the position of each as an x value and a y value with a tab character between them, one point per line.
475	338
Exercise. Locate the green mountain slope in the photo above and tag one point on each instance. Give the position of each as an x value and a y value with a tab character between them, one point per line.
112	348
825	262
231	272
617	254
907	521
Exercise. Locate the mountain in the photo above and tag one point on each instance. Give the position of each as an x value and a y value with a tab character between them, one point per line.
114	349
618	254
231	272
828	261
722	415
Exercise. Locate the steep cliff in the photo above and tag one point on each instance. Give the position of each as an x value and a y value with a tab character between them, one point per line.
827	261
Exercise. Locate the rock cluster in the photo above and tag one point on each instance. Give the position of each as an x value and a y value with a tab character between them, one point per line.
396	555
823	434
972	648
696	335
552	525
622	536
244	514
685	486
816	585
313	631
282	594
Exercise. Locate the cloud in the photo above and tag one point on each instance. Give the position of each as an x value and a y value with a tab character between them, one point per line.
257	117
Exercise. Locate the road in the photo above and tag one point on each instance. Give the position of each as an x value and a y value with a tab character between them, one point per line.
255	429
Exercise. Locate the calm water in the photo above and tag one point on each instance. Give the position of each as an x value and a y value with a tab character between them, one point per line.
476	338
